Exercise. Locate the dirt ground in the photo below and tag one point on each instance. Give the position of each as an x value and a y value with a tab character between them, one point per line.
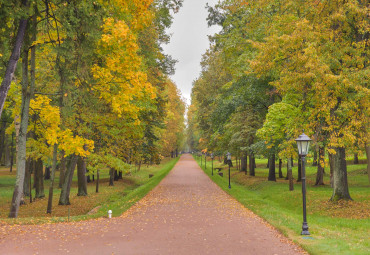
185	214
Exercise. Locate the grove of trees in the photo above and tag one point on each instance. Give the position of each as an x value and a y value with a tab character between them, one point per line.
91	90
277	68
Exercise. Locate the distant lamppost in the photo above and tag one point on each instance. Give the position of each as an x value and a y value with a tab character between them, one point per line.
303	142
229	162
212	162
201	159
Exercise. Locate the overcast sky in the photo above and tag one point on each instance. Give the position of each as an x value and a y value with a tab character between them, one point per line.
188	42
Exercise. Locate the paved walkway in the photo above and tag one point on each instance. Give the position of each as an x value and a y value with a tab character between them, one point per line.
185	214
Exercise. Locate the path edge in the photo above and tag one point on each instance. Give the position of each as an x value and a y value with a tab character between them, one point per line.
264	221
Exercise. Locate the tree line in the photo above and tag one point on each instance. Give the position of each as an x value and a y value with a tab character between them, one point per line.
91	90
277	68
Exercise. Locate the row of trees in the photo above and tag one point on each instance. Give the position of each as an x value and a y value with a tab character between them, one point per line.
92	89
278	67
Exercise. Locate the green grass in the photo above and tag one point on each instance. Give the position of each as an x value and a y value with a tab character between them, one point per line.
341	228
117	198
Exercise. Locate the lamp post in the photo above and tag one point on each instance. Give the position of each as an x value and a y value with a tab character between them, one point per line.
229	162
212	162
303	143
201	159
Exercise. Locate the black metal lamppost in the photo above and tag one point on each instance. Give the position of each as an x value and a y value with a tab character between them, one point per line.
201	159
229	162
303	142
212	162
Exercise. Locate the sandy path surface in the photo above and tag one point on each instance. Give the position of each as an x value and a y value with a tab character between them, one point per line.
185	214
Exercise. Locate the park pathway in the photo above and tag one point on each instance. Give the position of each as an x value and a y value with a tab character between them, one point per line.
185	214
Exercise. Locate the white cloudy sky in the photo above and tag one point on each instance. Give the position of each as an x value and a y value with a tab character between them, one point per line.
188	42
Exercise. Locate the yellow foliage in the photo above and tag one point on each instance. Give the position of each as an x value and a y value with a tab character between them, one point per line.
74	144
121	81
48	132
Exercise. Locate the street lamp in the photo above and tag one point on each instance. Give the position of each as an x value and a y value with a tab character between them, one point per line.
212	162
229	162
303	143
201	159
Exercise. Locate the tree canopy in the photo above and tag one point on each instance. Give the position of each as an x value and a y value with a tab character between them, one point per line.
279	67
100	81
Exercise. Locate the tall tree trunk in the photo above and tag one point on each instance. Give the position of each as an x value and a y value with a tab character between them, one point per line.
17	127
12	153
81	176
27	176
7	151
340	187
13	60
97	181
138	169
268	163
355	159
299	169
2	142
39	183
314	162
280	165
111	177
116	175
52	177
367	148
27	94
287	177
251	164
66	188
244	162
320	167
47	173
272	174
331	165
62	170
290	174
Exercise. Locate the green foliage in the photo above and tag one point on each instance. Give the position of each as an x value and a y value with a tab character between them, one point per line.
277	68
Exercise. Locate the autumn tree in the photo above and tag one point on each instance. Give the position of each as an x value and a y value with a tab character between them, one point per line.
311	54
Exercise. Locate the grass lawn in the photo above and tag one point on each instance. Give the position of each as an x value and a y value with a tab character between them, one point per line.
117	198
336	228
